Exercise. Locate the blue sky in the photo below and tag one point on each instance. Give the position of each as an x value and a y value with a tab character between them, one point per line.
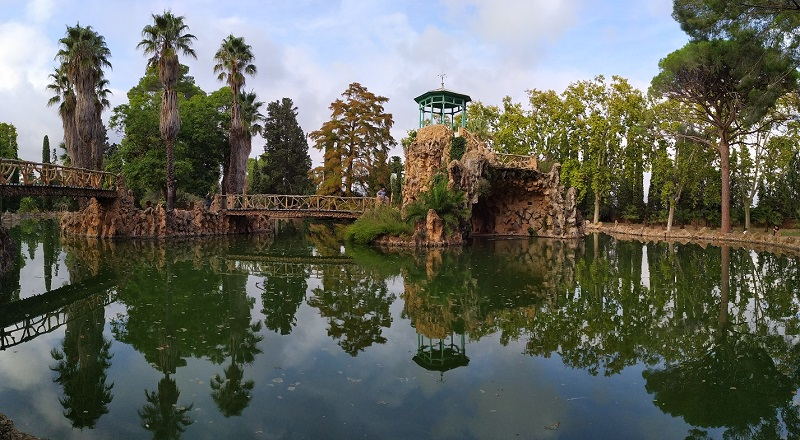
311	50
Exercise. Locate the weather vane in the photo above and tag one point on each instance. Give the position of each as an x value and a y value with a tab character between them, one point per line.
442	76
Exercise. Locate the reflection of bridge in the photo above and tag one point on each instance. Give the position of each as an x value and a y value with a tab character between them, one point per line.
293	206
21	178
24	320
281	266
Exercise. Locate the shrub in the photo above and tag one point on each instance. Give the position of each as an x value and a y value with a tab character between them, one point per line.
449	204
457	148
379	221
28	204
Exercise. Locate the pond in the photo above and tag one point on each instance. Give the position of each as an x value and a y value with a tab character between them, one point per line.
299	336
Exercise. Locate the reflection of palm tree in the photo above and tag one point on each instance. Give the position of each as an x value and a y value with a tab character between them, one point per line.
81	367
231	394
162	415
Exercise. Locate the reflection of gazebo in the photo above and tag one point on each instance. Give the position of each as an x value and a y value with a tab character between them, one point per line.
441	355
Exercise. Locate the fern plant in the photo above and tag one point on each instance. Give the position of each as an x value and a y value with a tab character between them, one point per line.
449	204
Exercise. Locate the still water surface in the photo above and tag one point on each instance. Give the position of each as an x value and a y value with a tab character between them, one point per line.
300	337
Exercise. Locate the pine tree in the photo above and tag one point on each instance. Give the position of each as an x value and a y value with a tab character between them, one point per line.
285	165
356	141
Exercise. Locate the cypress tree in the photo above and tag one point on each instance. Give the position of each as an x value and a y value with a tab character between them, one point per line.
285	165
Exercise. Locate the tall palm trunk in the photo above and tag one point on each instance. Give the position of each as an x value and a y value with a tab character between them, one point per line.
85	117
170	122
70	129
239	148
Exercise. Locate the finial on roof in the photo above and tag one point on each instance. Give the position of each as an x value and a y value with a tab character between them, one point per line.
442	76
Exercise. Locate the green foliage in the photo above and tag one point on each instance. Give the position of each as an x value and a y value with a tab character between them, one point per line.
200	146
457	147
27	205
356	141
285	166
8	141
449	204
377	222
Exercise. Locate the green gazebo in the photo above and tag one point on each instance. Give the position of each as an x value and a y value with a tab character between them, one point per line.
441	106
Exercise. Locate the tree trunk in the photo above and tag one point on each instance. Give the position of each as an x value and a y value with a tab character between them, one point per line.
747	214
170	174
239	149
725	170
85	117
596	208
170	119
671	215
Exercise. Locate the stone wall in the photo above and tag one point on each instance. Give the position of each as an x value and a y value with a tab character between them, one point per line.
503	200
121	218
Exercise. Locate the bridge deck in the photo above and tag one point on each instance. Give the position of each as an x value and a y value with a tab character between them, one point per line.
296	206
20	178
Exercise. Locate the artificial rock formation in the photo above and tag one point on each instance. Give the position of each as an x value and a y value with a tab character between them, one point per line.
121	218
505	198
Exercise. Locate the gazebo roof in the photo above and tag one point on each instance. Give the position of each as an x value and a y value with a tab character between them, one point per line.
445	92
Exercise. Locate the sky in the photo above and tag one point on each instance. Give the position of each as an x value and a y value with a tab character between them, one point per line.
310	50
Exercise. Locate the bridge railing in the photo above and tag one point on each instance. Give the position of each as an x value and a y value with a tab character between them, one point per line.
45	174
516	161
313	203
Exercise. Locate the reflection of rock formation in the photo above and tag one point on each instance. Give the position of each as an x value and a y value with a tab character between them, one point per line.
81	366
505	200
495	286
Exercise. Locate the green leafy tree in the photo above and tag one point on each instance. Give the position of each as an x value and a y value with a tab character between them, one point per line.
285	166
729	85
513	133
235	60
200	146
482	120
8	150
164	39
356	142
766	151
676	161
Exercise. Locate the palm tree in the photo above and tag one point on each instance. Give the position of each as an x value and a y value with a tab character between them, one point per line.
252	120
83	55
234	60
64	95
163	40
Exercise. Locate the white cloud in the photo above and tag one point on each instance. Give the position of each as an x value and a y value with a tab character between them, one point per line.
519	27
40	10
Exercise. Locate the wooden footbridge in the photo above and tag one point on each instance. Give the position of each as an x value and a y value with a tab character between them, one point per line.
19	178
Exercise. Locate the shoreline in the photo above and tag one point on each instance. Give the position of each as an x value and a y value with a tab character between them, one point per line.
758	241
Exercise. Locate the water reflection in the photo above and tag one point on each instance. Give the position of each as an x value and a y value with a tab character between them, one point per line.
712	333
